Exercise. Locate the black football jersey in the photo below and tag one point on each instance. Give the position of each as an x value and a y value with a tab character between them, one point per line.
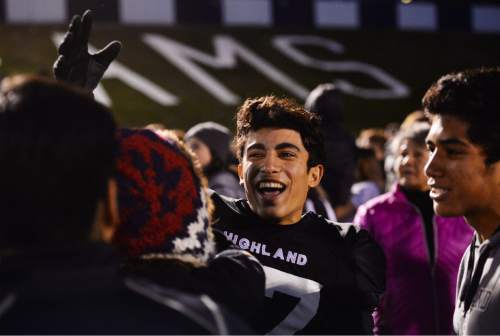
321	277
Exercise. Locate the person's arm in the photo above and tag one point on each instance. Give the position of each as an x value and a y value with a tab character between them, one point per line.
236	279
369	262
362	219
75	65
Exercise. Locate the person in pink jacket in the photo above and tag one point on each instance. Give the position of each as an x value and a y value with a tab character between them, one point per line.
423	250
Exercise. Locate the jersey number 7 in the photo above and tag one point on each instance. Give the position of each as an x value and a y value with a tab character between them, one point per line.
306	290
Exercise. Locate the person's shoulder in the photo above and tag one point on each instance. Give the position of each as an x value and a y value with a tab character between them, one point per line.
356	236
385	201
221	201
382	200
342	229
226	207
226	183
195	313
235	262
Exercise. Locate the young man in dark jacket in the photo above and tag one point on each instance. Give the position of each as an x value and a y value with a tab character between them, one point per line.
321	276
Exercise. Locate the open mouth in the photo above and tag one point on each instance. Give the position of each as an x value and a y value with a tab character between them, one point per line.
270	190
438	194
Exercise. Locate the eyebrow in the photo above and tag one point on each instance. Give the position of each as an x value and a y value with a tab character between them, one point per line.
285	145
452	142
280	146
449	142
256	146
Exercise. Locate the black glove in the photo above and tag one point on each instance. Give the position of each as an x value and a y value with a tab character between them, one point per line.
75	65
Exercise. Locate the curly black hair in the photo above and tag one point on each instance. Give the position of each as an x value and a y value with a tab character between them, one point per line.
472	96
274	112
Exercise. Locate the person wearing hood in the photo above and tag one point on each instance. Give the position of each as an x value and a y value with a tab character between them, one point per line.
211	142
165	232
325	101
59	274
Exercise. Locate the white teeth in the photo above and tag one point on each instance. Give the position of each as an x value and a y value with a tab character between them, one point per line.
270	185
437	193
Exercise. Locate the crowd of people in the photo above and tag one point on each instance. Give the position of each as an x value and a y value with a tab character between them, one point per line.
146	230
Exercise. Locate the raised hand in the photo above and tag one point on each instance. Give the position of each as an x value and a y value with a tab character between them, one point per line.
75	64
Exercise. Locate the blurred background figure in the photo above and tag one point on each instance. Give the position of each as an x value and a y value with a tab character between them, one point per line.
391	148
369	178
391	129
376	139
369	181
326	101
412	118
211	142
423	250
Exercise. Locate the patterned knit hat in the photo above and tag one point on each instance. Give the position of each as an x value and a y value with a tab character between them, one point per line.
162	199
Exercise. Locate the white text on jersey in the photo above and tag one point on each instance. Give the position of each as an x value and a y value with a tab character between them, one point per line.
259	248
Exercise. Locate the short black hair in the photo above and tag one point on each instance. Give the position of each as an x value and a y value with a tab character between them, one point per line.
472	96
57	148
274	112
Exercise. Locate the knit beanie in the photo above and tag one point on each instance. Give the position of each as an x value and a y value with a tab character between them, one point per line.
216	136
163	203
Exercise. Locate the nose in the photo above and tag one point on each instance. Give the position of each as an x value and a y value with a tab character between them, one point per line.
432	167
271	164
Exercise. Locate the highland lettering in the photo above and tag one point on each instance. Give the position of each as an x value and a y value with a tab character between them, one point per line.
262	249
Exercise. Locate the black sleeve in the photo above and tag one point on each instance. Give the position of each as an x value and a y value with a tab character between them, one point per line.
237	280
239	275
225	213
224	207
370	266
234	278
221	242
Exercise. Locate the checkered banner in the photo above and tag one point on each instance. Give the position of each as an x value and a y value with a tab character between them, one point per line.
406	15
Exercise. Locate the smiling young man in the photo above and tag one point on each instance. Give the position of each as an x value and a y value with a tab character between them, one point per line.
464	176
321	276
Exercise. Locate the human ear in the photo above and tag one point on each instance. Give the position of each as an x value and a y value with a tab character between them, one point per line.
314	175
494	171
240	173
